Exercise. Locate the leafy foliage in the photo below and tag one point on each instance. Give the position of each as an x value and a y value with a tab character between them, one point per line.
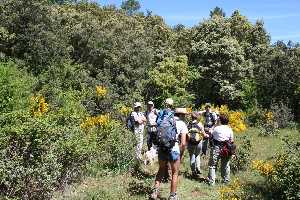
15	87
243	158
282	173
171	78
71	63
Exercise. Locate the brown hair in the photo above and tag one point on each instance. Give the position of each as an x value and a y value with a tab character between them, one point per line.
224	119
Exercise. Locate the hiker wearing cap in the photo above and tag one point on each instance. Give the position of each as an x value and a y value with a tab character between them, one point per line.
222	135
171	155
195	140
210	120
139	124
151	116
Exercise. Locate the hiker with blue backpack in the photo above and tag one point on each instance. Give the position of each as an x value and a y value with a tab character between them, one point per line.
138	120
171	141
195	141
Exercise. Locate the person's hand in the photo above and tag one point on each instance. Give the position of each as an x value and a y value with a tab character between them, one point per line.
205	135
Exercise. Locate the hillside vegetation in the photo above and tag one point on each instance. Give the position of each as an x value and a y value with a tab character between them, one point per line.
71	70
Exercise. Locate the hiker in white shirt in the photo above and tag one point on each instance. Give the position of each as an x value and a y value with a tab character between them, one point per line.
139	125
221	134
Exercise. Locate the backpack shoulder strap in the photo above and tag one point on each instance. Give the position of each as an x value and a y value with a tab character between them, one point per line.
212	117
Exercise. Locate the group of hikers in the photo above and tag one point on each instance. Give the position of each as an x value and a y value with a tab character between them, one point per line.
169	134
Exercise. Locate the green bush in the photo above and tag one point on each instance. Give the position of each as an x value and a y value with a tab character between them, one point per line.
15	87
285	180
115	146
269	128
243	157
255	116
282	114
38	155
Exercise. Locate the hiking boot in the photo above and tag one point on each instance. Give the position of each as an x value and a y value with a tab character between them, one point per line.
155	193
173	197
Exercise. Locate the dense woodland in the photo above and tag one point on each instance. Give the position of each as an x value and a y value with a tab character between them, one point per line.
69	65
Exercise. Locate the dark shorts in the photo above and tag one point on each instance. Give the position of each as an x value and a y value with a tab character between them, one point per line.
168	156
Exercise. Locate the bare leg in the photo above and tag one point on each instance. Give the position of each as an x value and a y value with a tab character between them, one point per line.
161	171
175	170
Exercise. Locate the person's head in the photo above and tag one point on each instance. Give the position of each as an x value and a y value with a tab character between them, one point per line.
169	103
181	112
224	120
207	107
150	105
195	116
137	106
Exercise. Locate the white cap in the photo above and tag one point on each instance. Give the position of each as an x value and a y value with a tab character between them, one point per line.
169	101
150	103
181	111
137	104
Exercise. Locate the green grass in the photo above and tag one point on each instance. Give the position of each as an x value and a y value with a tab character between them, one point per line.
137	186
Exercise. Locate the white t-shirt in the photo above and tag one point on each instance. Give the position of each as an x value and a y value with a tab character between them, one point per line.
222	133
181	127
137	117
151	117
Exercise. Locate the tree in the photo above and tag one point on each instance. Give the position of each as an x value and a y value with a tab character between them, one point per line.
63	1
35	32
277	76
171	78
220	59
131	6
217	11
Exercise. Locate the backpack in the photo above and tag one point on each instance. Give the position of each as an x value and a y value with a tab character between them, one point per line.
166	130
212	119
194	134
130	122
228	149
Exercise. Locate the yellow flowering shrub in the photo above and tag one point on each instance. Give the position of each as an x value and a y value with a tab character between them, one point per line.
233	191
237	121
38	106
101	91
189	109
263	167
236	118
269	116
101	121
223	109
125	110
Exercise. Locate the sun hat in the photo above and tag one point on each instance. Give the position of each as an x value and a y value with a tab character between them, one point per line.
181	111
137	104
169	101
150	103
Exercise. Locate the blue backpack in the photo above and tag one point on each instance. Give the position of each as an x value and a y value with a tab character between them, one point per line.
166	130
130	122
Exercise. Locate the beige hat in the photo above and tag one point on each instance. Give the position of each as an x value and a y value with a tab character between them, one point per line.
137	104
169	101
150	103
181	111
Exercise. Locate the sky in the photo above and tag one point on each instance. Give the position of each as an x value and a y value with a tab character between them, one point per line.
281	17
